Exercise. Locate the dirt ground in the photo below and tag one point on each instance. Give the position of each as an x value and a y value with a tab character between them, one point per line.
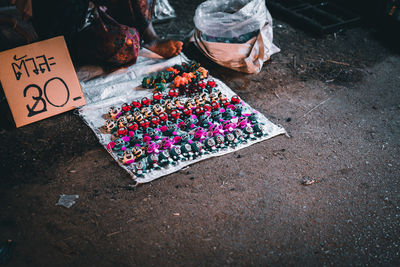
337	96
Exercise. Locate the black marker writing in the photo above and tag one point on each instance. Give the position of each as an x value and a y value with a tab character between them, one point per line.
32	111
36	64
65	87
55	83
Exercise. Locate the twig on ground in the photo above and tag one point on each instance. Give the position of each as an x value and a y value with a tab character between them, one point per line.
337	62
114	233
305	114
276	94
328	60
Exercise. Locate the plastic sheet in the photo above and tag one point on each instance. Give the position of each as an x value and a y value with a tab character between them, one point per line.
127	91
123	81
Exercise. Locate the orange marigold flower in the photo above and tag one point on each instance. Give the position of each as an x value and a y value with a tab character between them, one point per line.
179	81
188	76
175	71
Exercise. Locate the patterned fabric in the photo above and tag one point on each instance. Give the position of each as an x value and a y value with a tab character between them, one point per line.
126	46
107	41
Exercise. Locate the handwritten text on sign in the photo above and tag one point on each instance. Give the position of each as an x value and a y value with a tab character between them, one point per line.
39	81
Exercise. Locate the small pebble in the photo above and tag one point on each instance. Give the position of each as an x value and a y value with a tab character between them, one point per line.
309	181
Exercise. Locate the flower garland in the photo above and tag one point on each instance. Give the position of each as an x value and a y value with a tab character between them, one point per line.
188	120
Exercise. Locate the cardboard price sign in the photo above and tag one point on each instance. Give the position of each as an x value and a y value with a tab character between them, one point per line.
39	81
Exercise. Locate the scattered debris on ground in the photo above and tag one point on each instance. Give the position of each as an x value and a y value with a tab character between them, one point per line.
67	200
309	181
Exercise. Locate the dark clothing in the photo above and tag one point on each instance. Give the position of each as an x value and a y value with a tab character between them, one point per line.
66	17
93	43
54	17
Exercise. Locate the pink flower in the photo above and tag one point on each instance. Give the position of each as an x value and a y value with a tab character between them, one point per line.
176	139
110	145
130	161
146	139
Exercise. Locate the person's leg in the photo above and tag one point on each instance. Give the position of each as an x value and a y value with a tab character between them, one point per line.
138	14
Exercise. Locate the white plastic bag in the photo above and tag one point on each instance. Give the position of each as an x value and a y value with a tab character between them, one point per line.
163	11
232	19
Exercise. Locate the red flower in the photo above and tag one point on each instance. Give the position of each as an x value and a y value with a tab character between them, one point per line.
157	96
144	124
155	120
225	103
146	101
126	107
201	85
176	114
199	111
211	84
136	104
215	105
173	92
187	112
207	107
163	117
235	99
122	131
133	126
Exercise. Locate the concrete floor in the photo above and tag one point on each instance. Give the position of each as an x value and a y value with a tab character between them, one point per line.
340	103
